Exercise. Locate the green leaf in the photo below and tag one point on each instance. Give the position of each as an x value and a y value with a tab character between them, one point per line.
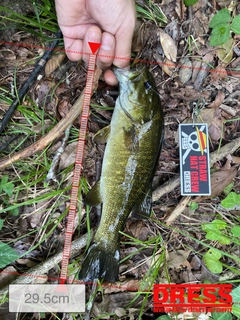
165	317
217	236
211	259
1	223
235	26
15	212
7	255
213	230
213	254
214	225
190	2
8	188
236	294
236	298
225	54
236	231
236	311
223	16
229	187
221	316
4	180
220	34
232	199
193	205
213	265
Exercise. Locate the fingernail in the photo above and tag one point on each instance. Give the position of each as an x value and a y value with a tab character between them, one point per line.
107	43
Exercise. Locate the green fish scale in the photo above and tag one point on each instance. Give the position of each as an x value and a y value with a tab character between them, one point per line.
126	174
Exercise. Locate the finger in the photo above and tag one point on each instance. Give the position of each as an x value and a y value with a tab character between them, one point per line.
110	78
124	41
105	54
73	48
93	34
75	32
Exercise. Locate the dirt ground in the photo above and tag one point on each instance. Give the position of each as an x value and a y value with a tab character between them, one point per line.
192	77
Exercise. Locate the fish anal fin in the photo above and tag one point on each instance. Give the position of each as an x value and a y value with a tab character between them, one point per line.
143	209
100	264
102	135
93	198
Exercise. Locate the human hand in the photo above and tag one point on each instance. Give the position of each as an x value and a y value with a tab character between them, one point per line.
109	22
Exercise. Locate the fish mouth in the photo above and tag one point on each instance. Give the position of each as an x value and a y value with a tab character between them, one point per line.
124	75
121	74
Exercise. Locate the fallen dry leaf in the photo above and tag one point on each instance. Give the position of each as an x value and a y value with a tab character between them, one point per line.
27	262
178	259
168	67
203	70
129	285
38	128
220	179
68	156
139	40
196	67
111	302
235	159
63	108
225	51
139	230
206	115
168	45
54	63
227	165
120	312
185	71
218	100
216	129
218	74
34	217
188	93
7	276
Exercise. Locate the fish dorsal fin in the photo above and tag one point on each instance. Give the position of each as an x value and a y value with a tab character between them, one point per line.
102	135
93	198
143	209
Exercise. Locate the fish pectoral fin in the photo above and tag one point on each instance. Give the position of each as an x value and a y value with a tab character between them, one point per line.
93	198
143	209
131	139
102	135
100	264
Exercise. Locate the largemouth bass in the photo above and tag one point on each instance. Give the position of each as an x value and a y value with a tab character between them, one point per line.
134	140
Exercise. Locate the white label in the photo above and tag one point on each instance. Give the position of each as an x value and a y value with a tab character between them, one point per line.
47	298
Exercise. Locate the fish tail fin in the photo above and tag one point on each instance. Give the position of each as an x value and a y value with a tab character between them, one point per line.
99	264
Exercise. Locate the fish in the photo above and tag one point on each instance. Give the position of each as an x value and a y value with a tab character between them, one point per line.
134	139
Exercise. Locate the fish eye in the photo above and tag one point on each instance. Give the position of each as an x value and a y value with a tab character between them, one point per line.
147	85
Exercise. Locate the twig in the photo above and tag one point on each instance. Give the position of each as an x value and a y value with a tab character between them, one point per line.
30	81
167	187
55	132
178	210
52	173
229	148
